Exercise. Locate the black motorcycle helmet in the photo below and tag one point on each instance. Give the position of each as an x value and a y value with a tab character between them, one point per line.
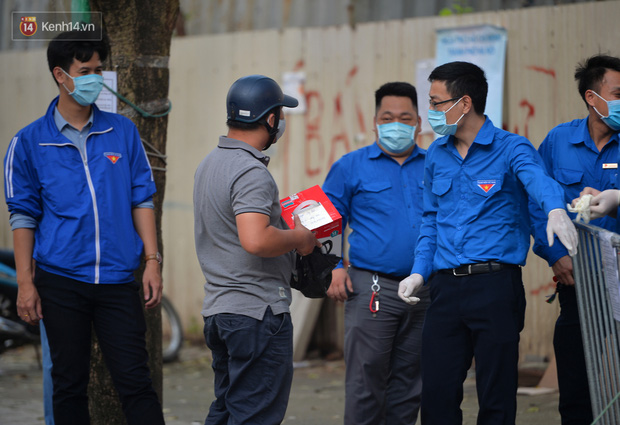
252	97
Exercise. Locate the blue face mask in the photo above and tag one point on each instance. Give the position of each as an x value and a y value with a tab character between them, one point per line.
613	113
281	128
86	88
437	120
396	137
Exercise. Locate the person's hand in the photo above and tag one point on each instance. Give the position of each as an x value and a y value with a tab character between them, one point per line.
605	203
586	191
409	286
560	224
589	191
152	284
307	240
563	271
341	281
28	302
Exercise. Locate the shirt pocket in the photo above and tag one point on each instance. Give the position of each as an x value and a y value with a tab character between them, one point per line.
568	177
375	195
441	186
487	187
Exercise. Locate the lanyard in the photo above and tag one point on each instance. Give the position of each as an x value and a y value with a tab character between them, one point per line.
374	299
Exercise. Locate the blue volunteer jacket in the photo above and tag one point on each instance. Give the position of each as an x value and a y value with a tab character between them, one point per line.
573	160
83	206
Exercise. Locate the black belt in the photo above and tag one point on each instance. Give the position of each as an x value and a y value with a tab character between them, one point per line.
383	275
478	268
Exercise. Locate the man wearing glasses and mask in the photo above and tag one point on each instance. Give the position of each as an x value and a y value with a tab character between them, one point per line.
473	241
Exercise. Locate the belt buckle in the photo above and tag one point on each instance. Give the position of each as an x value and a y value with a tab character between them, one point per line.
462	274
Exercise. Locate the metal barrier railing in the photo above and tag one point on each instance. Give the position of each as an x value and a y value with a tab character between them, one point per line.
596	267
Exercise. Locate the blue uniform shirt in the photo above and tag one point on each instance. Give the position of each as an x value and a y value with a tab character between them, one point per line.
381	201
476	209
573	160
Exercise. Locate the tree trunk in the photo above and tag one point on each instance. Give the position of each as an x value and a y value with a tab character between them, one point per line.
140	32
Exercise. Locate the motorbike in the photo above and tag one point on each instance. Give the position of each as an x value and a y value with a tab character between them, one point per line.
14	332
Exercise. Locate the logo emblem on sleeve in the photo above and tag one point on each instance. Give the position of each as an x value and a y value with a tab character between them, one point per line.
486	185
113	157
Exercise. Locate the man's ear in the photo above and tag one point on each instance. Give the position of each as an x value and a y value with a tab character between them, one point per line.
59	75
590	97
468	104
418	128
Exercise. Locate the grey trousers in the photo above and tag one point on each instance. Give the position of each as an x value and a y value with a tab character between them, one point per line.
382	353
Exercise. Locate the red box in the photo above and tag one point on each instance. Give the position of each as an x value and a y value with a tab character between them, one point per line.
318	214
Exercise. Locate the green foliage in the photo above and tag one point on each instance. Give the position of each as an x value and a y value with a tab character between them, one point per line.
458	8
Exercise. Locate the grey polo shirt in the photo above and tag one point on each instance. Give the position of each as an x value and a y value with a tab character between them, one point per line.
233	179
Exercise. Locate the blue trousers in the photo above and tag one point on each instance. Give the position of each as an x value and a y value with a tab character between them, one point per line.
71	309
383	383
253	366
48	387
477	316
575	406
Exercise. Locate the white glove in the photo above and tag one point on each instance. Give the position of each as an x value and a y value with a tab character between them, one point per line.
604	203
409	286
560	224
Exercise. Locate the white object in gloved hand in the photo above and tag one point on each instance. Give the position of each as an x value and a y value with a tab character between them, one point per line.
604	203
408	287
560	224
582	208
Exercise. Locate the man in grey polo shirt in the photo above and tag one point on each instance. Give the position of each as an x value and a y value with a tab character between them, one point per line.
245	251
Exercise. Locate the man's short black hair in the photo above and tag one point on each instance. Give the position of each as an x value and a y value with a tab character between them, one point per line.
63	49
397	88
463	78
589	73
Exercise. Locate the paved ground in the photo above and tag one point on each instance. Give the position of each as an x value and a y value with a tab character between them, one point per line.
317	397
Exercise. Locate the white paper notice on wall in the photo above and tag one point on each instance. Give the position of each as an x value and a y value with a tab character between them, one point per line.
293	85
485	46
107	101
423	69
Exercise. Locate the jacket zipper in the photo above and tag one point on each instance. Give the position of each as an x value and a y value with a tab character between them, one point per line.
93	195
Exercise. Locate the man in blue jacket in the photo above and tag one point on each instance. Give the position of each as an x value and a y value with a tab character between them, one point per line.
474	238
378	191
578	154
79	189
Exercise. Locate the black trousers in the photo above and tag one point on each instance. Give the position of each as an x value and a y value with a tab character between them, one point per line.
71	309
575	406
478	316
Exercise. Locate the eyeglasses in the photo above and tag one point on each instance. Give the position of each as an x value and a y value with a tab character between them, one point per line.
433	105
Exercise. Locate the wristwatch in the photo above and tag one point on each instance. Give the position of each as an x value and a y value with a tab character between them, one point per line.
156	256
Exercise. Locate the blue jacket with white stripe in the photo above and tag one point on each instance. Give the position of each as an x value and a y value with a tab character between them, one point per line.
82	205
